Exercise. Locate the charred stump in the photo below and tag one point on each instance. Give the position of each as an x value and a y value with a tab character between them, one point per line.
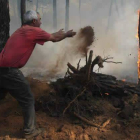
77	92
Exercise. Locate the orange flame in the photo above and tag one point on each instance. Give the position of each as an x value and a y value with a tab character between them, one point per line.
107	94
137	36
124	80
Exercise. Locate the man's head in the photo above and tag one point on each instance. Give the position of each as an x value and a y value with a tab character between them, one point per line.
32	18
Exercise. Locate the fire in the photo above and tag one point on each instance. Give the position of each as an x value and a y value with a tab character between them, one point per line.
107	94
124	80
139	44
139	63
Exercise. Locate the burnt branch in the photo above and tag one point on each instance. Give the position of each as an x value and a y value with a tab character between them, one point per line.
88	66
72	68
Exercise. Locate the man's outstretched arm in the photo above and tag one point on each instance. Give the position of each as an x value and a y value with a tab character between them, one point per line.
60	35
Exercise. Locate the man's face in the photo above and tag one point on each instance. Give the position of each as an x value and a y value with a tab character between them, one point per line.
37	22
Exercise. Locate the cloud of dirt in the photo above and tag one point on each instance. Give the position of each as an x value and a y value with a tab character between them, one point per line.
69	51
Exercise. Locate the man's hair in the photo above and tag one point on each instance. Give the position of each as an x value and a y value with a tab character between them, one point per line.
29	16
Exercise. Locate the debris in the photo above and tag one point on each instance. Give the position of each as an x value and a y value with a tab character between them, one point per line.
77	90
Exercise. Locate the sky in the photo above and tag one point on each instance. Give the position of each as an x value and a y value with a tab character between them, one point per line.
115	24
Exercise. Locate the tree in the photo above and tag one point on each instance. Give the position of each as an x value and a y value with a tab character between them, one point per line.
54	15
4	22
67	16
23	9
37	6
4	31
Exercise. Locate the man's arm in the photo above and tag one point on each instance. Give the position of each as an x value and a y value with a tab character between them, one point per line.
60	35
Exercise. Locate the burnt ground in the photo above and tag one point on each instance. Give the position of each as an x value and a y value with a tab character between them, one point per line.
116	124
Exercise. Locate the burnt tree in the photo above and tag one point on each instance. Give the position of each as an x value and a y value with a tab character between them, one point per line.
4	30
54	14
4	23
23	10
67	15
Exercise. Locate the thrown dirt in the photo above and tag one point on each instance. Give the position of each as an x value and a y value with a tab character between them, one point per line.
88	36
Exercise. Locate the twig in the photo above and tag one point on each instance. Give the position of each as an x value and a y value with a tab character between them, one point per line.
66	73
87	121
74	100
72	68
78	64
88	66
106	123
113	62
107	58
86	58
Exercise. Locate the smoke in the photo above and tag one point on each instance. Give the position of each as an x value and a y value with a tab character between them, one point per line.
69	50
115	26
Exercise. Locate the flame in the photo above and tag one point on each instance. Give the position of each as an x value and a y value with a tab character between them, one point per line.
124	80
137	36
107	94
138	63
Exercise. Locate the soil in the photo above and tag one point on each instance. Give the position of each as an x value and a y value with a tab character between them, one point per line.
116	124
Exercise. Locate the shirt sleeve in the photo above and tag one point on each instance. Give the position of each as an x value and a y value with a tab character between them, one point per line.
41	36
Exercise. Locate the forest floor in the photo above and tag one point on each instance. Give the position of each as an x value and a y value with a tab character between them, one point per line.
67	127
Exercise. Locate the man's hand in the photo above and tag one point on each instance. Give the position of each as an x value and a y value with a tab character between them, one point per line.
70	33
60	35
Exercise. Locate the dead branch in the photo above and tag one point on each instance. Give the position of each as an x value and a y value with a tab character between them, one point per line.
75	76
106	123
66	73
87	121
81	93
70	73
107	58
86	58
98	60
78	65
88	66
113	62
72	68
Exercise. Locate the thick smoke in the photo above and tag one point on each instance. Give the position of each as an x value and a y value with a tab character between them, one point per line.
115	25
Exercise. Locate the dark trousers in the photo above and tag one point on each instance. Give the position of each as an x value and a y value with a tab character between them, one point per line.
14	81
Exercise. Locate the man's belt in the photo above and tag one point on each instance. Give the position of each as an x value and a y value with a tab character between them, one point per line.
6	69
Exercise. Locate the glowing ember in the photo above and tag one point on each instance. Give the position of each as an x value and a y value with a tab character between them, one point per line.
139	63
124	80
107	94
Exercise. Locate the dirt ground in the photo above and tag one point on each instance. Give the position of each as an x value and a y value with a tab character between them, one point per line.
67	128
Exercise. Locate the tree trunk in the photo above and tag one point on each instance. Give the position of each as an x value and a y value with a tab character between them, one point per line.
4	23
4	31
18	9
37	6
54	15
67	16
23	10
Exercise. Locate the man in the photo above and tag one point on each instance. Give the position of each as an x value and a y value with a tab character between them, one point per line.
15	54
